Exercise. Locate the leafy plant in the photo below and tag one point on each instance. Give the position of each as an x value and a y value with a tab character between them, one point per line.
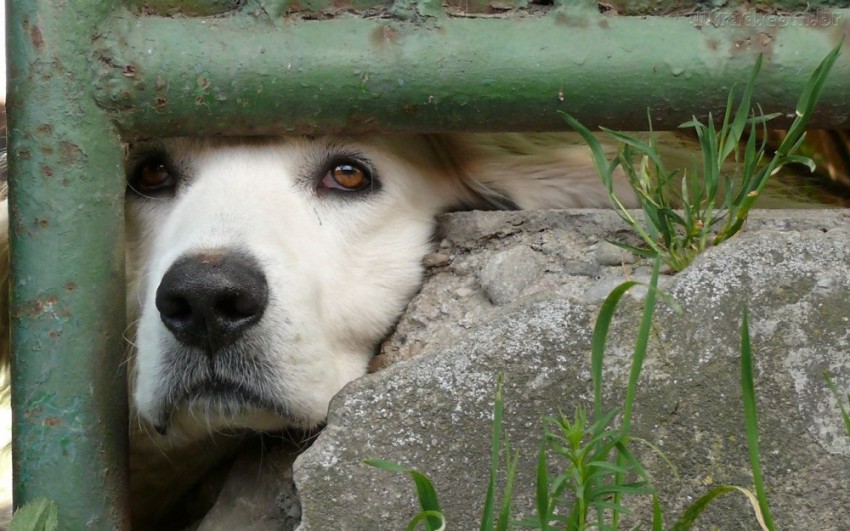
40	514
684	216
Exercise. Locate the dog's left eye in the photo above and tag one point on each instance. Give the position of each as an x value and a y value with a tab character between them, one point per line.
348	176
152	176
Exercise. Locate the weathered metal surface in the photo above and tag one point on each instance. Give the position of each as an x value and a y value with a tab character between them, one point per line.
253	75
67	310
684	7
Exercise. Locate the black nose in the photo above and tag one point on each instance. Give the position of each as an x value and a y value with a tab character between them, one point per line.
209	299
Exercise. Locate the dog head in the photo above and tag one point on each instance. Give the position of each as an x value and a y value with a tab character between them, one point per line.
264	272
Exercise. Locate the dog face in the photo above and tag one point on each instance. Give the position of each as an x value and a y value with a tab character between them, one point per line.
264	272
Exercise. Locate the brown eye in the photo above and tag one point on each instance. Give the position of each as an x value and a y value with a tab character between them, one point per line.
152	176
347	176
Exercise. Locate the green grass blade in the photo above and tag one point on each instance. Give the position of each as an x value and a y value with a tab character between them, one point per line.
608	466
424	489
427	518
599	157
694	510
383	464
599	338
638	488
490	498
504	521
661	455
809	99
544	510
725	125
646	253
428	500
657	514
739	123
640	347
750	418
642	147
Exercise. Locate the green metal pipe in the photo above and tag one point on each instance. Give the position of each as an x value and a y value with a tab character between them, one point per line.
67	309
259	75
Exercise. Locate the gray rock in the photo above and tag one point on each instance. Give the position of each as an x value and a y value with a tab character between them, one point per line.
259	494
608	254
433	412
508	273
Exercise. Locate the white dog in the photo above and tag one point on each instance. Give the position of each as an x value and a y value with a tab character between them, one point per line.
263	273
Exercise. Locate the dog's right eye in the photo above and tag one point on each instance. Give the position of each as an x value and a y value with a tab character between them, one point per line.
152	176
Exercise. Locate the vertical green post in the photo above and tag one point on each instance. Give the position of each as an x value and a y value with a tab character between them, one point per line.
67	305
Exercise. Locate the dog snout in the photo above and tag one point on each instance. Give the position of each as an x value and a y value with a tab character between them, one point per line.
208	300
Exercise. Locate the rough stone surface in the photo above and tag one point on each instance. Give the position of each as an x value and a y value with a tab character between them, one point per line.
259	493
508	273
433	410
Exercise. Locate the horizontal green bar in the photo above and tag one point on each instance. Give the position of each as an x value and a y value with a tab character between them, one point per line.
246	75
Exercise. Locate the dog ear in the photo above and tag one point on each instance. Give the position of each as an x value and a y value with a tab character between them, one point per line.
531	171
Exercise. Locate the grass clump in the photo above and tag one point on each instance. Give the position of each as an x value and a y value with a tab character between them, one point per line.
684	215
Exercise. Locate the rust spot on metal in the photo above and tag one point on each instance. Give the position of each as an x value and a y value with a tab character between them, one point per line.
33	308
160	102
43	223
47	171
52	421
32	412
36	37
44	129
563	19
384	35
129	71
25	154
71	153
52	299
70	285
53	334
203	82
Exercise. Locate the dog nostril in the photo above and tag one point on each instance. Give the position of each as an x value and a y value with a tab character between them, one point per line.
238	305
174	307
209	303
